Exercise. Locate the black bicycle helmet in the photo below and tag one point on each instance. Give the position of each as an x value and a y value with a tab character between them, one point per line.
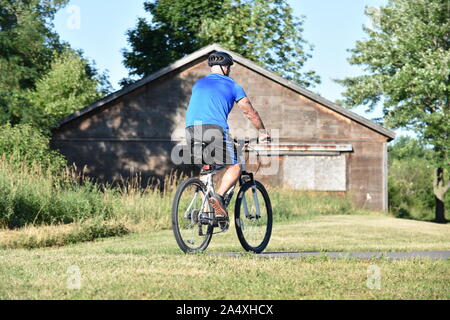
220	59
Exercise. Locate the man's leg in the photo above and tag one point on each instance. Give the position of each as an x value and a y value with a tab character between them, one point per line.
229	179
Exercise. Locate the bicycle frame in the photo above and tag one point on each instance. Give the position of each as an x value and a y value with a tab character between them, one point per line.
244	173
210	188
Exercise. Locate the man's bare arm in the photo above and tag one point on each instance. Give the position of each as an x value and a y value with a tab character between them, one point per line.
247	108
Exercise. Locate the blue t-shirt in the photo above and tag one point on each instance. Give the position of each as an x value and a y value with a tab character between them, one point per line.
212	99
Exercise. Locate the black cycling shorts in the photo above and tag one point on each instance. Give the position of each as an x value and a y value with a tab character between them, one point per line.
210	144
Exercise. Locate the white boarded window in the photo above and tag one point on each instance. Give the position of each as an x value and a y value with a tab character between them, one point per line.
318	173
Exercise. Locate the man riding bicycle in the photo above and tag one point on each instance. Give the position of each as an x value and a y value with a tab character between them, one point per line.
213	98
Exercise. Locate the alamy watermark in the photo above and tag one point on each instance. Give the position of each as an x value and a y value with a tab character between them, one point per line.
74	19
73	281
373	277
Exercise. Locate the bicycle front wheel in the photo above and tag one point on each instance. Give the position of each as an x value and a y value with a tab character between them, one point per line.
253	217
190	215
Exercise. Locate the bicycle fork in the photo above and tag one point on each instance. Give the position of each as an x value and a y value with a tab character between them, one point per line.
255	200
254	195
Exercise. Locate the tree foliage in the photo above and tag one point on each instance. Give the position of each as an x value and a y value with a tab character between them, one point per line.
41	77
64	89
411	179
27	43
266	32
406	59
407	148
23	144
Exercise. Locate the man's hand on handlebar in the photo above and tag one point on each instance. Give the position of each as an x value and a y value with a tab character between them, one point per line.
264	136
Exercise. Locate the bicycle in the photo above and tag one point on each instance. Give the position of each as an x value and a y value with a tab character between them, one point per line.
194	221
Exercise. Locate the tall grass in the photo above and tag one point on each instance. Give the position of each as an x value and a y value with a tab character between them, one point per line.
144	209
31	194
291	204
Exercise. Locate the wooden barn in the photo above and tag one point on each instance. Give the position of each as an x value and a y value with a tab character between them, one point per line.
322	146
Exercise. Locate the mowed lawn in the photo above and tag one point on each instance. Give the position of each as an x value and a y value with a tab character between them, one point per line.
150	265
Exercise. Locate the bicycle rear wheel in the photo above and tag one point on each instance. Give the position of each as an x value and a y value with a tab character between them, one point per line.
253	217
190	224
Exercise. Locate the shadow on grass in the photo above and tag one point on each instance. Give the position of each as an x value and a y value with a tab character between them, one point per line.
438	221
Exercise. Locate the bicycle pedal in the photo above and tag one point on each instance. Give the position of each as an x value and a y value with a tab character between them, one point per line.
222	218
219	221
224	226
204	219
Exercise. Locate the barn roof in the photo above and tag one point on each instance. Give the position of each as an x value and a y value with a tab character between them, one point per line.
243	61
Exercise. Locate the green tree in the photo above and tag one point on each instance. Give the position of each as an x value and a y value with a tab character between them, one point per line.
67	87
406	60
407	148
265	31
27	43
24	144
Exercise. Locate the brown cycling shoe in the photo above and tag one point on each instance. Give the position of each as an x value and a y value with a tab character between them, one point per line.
219	208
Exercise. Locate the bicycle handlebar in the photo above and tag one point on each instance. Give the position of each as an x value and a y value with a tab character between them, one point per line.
249	140
246	141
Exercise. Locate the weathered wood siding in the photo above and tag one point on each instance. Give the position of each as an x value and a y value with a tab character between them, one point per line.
136	132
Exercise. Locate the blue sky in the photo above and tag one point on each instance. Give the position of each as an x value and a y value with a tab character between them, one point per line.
333	26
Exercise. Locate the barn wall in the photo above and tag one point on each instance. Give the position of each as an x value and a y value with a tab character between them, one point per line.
137	132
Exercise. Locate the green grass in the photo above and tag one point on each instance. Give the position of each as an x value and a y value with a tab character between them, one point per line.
54	222
149	265
34	195
60	235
